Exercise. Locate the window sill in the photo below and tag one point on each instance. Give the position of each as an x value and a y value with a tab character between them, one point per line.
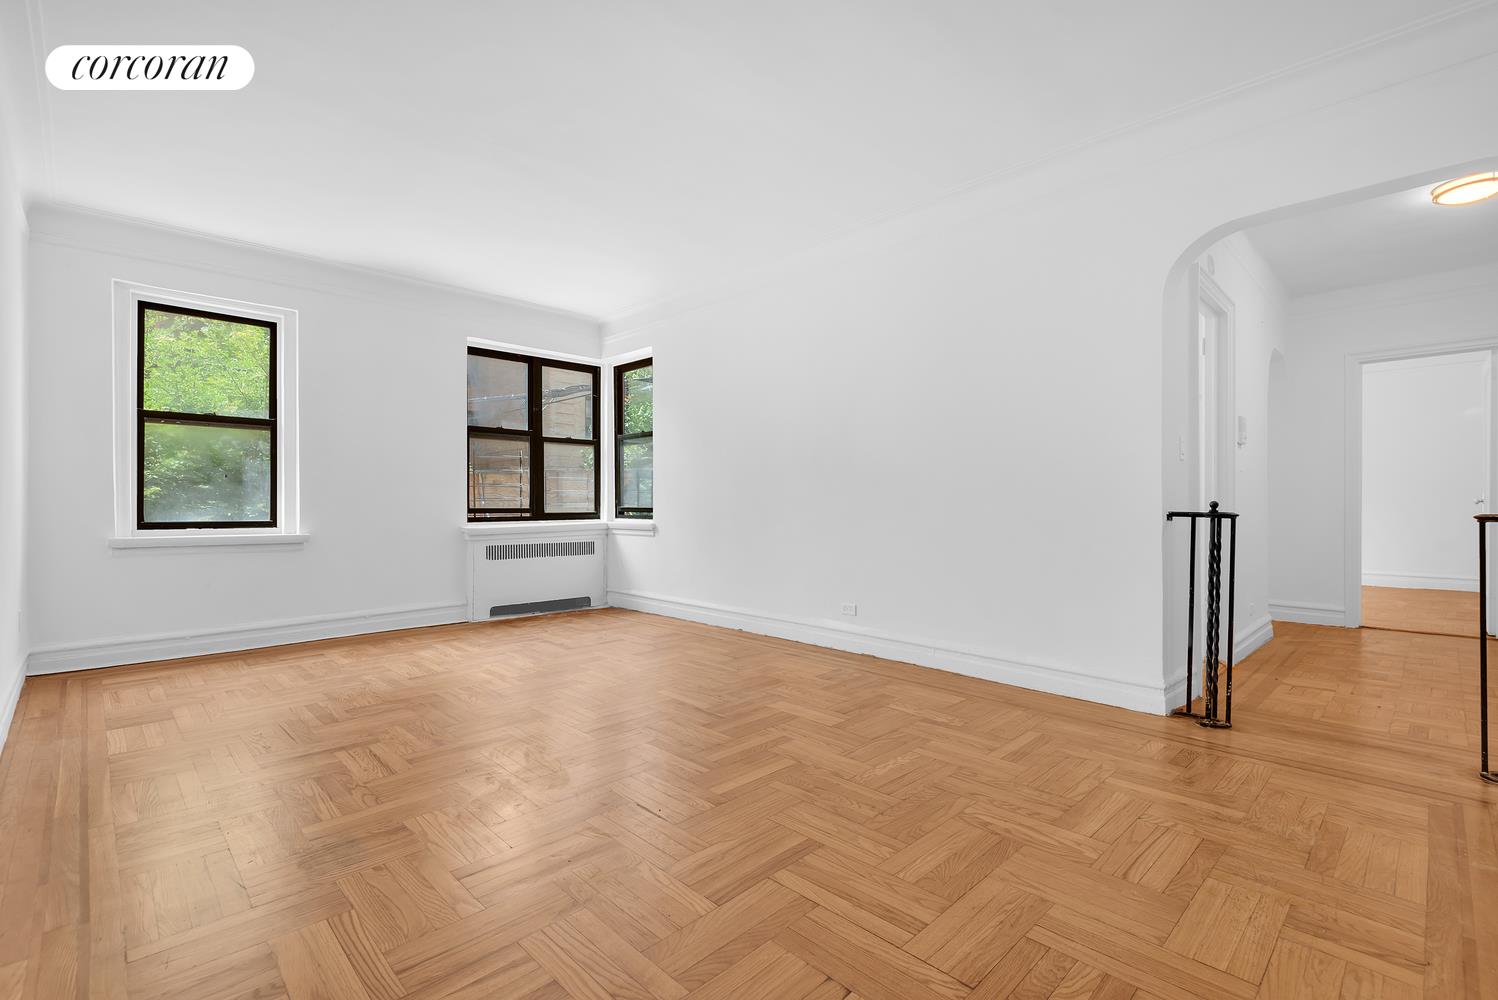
512	529
205	540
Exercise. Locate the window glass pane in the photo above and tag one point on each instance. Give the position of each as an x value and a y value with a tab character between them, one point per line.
199	472
566	403
497	391
569	478
637	473
499	473
198	365
639	400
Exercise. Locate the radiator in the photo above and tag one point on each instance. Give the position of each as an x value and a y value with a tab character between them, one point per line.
541	571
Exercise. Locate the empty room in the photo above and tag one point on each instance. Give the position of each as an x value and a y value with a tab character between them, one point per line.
1057	569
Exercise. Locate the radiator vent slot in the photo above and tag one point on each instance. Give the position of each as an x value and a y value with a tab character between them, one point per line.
540	607
537	550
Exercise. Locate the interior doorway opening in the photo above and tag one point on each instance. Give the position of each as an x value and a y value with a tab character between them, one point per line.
1426	449
1263	390
1215	407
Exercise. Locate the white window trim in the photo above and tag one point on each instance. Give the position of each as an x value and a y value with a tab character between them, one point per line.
126	295
532	352
527	529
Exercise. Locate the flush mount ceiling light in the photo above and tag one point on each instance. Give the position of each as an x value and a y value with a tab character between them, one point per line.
1466	190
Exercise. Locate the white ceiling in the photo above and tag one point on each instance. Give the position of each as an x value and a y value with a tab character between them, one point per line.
596	155
1380	239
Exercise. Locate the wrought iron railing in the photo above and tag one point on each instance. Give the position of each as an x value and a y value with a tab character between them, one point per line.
1216	680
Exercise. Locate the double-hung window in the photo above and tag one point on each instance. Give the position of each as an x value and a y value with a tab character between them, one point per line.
205	429
532	438
634	427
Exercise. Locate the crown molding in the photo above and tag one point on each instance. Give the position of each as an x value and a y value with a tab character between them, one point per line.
1419	48
92	229
40	174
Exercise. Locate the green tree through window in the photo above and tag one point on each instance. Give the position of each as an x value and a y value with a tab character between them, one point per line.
634	390
207	421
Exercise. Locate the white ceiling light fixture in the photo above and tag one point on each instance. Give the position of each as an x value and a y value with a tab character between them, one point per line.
1466	190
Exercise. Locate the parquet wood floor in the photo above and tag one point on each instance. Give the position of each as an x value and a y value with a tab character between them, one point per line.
1444	612
609	804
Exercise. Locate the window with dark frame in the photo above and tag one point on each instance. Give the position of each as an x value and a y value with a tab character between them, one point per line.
634	443
528	417
205	419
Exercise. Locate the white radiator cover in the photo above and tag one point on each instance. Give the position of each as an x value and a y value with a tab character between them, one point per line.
536	564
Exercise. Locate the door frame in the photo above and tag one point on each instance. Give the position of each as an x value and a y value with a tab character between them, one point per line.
1207	294
1210	294
1352	490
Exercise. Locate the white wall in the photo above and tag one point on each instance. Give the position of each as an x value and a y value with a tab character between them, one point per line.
1258	323
1425	447
1308	473
1025	341
13	639
382	373
1007	342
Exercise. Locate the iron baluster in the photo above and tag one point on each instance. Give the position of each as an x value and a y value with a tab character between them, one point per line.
1217	684
1483	520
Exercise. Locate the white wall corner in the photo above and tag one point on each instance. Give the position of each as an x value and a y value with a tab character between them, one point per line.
1251	636
1175	692
8	702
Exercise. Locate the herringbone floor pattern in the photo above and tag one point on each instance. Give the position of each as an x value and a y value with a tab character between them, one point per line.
609	804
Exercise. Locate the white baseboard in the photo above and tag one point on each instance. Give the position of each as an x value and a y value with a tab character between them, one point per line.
8	702
168	646
1308	614
1250	637
1417	581
970	663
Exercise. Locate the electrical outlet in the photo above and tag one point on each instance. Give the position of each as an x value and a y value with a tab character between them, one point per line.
851	610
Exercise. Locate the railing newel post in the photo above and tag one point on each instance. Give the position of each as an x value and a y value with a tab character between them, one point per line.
1483	520
1212	625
